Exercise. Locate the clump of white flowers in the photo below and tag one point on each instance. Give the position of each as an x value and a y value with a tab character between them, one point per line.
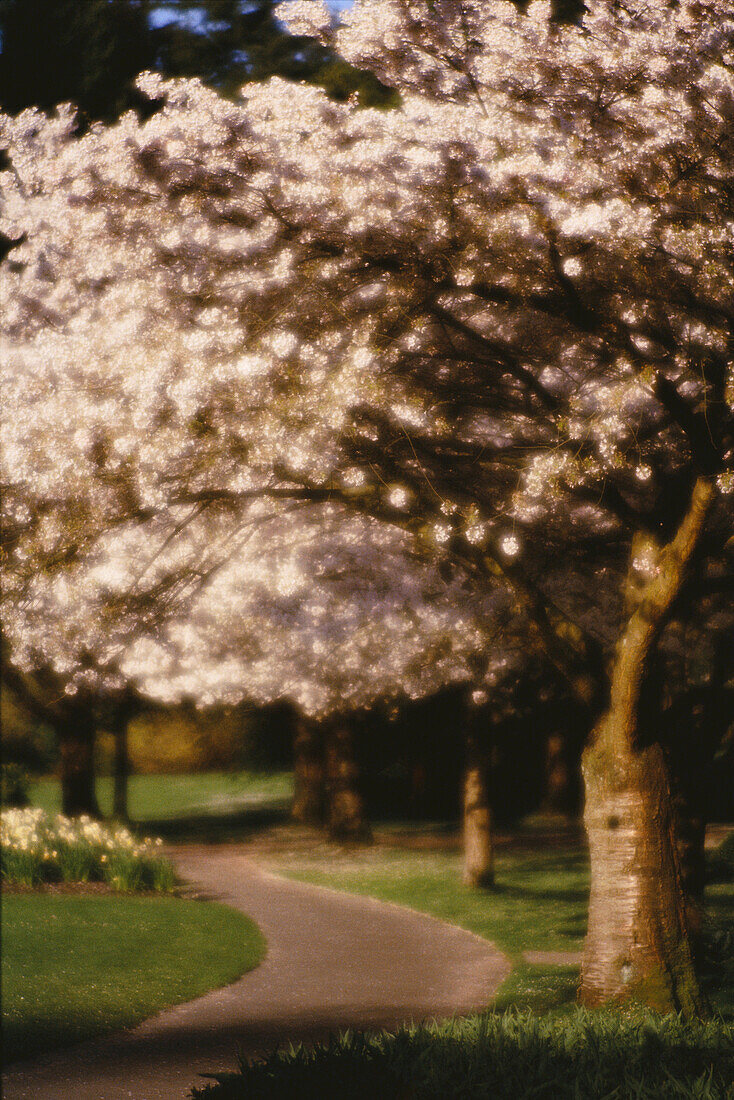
37	847
510	546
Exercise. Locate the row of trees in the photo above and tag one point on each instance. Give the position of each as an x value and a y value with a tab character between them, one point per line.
485	337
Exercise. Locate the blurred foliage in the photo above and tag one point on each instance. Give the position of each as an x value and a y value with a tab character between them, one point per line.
89	52
181	739
720	862
231	42
25	742
178	740
184	739
86	51
14	785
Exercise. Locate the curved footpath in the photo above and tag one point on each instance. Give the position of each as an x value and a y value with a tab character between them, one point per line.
333	961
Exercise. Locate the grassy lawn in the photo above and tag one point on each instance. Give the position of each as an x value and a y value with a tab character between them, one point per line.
167	797
75	966
539	903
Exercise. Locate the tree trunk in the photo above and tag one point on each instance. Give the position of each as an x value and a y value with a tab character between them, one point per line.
345	812
689	789
76	744
309	795
691	837
562	778
478	846
122	767
638	945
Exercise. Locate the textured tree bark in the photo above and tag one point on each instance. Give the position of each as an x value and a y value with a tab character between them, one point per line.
122	767
309	794
346	818
478	845
76	744
638	945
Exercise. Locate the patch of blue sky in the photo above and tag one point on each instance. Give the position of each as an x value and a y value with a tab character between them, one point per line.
195	19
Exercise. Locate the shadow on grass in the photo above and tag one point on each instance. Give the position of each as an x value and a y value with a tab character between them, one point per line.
214	828
725	904
574	929
524	893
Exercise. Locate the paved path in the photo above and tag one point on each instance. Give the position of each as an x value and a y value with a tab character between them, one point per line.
333	960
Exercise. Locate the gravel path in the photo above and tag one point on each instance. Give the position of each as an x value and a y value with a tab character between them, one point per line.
333	961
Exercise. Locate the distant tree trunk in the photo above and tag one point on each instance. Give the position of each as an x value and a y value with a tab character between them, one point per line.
638	945
701	714
309	794
76	733
478	843
556	771
345	810
562	784
690	839
121	721
689	783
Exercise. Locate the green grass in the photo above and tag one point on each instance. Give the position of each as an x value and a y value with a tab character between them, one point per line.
76	966
718	967
166	797
587	1056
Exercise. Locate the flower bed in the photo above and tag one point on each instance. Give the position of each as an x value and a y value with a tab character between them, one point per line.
38	848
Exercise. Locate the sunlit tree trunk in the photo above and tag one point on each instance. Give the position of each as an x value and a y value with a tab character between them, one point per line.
76	733
309	794
638	945
346	818
477	818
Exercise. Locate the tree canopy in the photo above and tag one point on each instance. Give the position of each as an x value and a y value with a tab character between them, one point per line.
498	318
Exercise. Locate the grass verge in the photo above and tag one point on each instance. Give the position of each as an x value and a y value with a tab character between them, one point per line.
513	1056
76	966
